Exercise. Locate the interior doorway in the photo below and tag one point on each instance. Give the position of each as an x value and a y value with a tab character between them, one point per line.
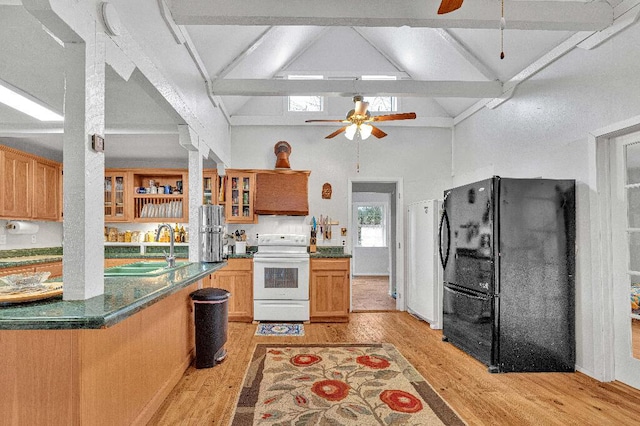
377	280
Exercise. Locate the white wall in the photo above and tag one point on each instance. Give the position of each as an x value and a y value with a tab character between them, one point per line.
543	131
371	260
418	155
49	234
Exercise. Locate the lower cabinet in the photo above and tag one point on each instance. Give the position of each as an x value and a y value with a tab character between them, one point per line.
237	279
329	289
54	267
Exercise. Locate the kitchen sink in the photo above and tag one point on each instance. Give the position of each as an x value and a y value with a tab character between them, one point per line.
144	269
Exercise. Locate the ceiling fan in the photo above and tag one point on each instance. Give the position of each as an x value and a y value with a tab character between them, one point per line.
449	6
358	120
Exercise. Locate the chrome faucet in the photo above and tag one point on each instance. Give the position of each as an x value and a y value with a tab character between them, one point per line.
171	259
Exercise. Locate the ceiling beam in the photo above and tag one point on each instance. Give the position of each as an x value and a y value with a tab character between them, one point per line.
521	15
263	120
407	88
466	53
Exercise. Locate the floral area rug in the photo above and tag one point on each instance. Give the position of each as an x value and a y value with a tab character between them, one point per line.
280	330
331	385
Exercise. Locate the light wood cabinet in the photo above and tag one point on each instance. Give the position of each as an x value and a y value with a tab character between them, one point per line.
237	279
210	182
115	196
240	195
31	186
329	289
54	267
16	188
162	206
47	191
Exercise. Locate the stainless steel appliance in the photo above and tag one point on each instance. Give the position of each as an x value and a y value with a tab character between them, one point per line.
281	278
507	247
211	228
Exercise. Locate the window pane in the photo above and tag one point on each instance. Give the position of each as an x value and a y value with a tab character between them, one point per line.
381	103
633	163
371	226
305	103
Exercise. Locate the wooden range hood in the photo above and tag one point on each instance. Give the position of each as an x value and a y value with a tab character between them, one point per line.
282	192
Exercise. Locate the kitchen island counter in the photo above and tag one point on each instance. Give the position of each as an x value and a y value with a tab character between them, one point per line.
123	297
109	360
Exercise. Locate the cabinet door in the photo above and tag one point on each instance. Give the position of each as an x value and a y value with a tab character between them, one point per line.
210	187
16	189
237	279
54	267
16	270
46	190
329	290
114	197
240	198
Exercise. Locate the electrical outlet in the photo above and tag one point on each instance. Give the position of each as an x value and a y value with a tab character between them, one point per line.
3	239
33	239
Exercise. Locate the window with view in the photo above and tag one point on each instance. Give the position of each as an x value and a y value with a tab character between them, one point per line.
372	229
305	103
381	103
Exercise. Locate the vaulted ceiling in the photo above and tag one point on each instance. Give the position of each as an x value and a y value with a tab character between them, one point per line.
447	66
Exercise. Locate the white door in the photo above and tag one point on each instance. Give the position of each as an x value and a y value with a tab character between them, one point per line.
625	228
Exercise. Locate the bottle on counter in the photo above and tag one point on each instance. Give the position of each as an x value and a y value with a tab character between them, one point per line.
176	235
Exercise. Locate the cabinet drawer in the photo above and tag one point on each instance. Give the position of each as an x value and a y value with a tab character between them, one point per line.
329	264
238	265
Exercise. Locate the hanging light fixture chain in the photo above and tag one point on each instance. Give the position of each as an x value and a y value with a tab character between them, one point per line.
502	25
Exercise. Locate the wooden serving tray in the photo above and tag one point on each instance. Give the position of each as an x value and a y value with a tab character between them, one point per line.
23	297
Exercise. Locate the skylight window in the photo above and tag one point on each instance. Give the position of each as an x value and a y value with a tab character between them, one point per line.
305	103
381	103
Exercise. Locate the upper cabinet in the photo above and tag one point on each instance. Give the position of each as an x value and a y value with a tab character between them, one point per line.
115	200
31	186
210	186
240	195
47	191
146	195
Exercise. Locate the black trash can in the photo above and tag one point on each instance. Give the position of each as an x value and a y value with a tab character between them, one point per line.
211	306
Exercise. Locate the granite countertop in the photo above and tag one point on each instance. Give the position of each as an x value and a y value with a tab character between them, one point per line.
123	297
24	257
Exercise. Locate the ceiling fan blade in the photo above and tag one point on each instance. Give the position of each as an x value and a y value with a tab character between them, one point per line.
390	117
449	6
326	121
377	132
336	133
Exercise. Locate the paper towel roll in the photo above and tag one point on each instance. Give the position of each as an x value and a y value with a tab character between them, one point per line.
22	228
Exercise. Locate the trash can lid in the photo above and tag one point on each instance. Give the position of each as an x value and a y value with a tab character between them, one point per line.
210	294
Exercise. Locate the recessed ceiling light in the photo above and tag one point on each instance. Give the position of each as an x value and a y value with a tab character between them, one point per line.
23	102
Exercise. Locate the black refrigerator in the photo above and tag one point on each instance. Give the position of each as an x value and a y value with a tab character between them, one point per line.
507	247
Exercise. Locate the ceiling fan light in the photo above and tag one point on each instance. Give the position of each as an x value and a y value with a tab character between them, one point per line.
365	131
350	132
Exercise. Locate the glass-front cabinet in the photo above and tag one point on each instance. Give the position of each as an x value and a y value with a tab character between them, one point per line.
210	186
239	197
115	184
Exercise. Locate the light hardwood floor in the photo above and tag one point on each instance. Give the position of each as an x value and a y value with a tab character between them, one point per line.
371	293
208	396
